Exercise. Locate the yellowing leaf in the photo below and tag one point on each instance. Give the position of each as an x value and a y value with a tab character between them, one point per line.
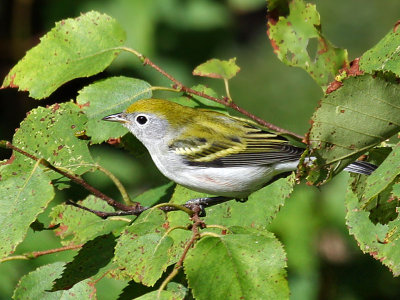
216	68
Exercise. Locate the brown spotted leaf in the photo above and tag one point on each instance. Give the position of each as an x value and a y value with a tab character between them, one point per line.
359	115
297	41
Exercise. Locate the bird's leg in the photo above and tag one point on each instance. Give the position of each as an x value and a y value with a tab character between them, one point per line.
201	203
206	202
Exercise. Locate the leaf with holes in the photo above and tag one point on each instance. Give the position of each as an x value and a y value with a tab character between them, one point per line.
79	226
258	211
142	249
74	48
377	230
297	41
106	97
359	115
216	68
25	192
37	285
384	56
382	177
50	133
247	264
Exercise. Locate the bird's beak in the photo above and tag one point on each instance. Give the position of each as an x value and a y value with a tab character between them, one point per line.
116	118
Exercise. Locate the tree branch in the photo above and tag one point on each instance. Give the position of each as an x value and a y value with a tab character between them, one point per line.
179	85
74	178
197	223
36	254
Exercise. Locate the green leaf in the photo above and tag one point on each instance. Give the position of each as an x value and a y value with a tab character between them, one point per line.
160	194
258	211
200	102
382	177
49	133
297	41
357	116
139	17
216	68
384	56
164	295
142	249
179	218
94	255
247	265
37	285
25	192
133	290
178	289
376	235
74	48
106	97
396	190
79	226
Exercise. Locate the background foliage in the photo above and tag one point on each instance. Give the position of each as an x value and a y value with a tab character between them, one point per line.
323	260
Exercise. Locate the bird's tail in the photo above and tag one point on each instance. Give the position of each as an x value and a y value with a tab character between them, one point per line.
361	167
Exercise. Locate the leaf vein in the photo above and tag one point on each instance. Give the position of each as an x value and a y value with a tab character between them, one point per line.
362	113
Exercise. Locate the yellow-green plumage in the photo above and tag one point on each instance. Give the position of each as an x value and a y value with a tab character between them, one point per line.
225	140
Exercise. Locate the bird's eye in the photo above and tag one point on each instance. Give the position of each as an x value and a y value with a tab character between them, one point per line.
141	120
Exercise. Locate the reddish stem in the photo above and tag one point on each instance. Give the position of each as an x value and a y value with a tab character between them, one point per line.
227	103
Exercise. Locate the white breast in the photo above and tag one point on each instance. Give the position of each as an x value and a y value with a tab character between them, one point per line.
236	182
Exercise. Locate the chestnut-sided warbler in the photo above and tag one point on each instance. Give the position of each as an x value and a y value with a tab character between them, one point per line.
211	152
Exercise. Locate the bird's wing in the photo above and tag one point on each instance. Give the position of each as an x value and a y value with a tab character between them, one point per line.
250	146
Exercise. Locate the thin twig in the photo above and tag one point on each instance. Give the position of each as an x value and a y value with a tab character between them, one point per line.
117	183
74	178
179	85
114	179
197	222
228	94
104	214
36	254
162	88
212	234
173	207
223	228
117	218
175	228
188	207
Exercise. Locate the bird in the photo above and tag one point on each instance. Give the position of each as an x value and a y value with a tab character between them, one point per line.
212	152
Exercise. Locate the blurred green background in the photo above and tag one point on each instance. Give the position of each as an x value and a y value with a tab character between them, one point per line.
324	262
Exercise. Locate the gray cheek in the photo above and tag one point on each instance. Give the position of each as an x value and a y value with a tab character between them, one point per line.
153	133
156	129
